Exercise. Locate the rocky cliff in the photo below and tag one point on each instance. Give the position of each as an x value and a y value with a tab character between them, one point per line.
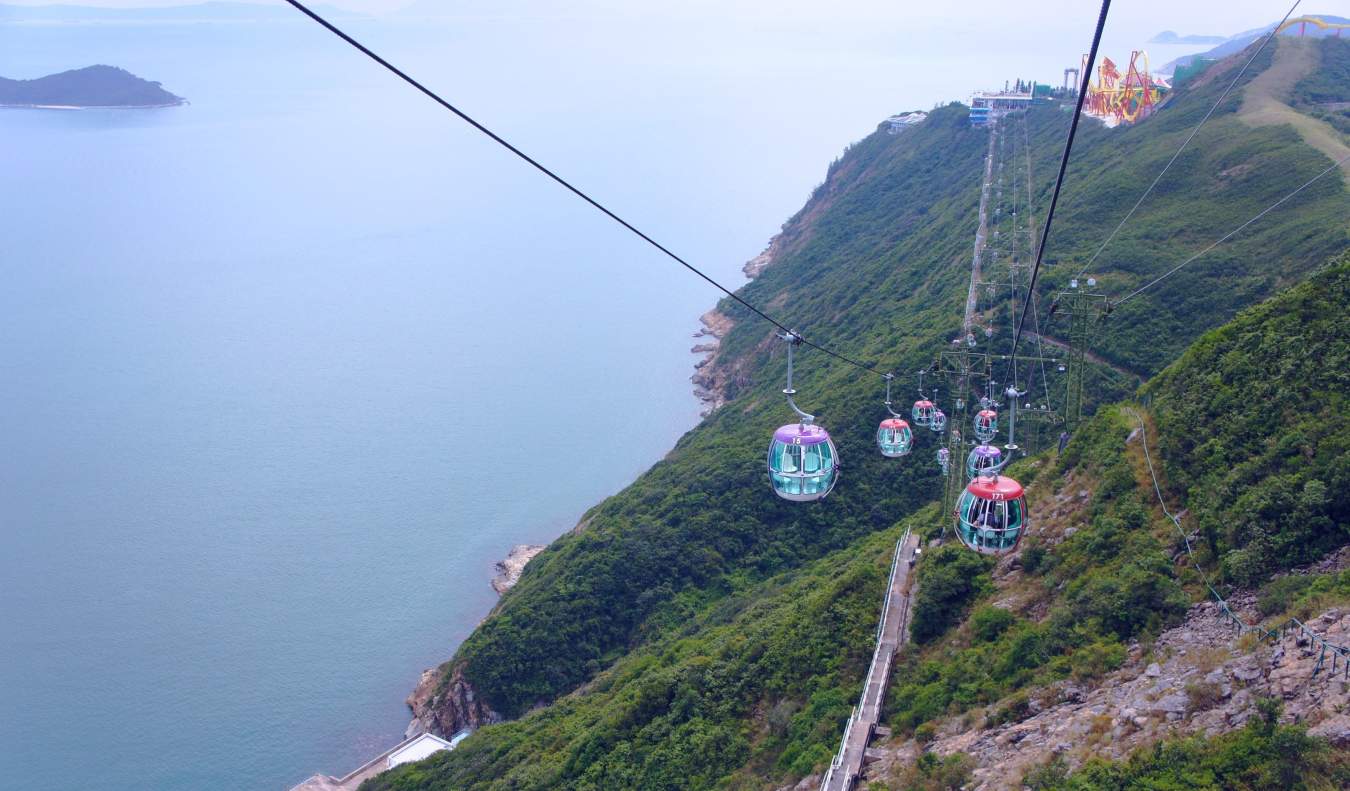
445	705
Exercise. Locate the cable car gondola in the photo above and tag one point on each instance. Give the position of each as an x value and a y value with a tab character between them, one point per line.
894	437
991	515
923	410
983	460
803	462
986	424
939	421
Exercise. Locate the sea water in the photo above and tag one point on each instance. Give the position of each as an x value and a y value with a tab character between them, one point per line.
285	370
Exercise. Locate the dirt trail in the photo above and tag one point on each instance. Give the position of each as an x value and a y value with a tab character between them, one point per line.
1262	103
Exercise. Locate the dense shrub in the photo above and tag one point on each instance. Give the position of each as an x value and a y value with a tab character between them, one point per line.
1262	755
949	579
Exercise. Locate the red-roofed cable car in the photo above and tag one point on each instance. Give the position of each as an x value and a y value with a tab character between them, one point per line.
803	462
923	408
894	437
991	516
986	424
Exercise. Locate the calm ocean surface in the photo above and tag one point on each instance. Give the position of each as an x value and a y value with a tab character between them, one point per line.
284	371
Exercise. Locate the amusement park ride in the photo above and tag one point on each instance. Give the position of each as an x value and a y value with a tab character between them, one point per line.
989	509
1115	99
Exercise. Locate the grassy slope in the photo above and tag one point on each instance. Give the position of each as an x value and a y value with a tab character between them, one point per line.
882	274
1267	100
1078	602
1256	435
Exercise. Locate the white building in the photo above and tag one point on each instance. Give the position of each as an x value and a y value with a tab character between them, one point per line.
899	122
414	748
417	748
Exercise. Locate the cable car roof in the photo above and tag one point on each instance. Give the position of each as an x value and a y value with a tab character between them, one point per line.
894	422
986	450
986	488
801	434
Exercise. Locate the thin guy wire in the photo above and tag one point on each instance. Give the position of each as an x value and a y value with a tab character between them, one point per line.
1063	165
1230	234
568	185
1188	139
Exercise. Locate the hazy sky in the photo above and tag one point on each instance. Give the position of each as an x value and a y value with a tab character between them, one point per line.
1130	18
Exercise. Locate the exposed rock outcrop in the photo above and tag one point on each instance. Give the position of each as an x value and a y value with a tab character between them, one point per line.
447	705
1198	679
709	380
512	566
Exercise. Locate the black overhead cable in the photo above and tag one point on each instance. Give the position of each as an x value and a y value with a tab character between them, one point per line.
1231	233
574	190
1188	139
1059	180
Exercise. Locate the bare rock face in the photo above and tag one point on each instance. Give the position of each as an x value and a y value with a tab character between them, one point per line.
709	380
512	566
1200	679
446	707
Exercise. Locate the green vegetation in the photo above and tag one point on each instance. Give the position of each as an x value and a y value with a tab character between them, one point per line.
1322	93
1304	595
949	579
1261	755
1107	584
1255	428
697	632
752	685
92	86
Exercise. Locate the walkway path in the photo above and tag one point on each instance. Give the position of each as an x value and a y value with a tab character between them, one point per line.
892	632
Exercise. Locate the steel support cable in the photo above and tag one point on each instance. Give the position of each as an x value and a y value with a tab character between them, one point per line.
1063	165
1188	139
302	8
1230	234
1337	650
1176	521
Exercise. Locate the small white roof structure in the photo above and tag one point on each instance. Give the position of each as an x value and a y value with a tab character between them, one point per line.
418	748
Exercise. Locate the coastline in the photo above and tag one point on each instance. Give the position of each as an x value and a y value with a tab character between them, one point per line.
443	701
178	103
712	381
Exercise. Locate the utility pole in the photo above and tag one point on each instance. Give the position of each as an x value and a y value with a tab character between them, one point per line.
1085	311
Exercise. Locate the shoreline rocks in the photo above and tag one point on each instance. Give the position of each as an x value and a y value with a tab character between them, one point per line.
512	566
445	706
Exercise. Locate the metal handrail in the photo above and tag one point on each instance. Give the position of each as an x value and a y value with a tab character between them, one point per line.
1337	652
872	665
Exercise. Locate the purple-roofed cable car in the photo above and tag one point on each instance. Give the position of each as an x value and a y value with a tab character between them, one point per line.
803	462
982	460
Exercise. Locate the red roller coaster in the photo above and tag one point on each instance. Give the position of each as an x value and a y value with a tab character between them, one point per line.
1123	100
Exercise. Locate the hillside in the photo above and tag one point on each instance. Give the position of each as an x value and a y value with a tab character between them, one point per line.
92	86
695	631
1090	641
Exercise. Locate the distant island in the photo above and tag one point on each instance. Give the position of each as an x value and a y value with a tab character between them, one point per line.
1170	37
92	86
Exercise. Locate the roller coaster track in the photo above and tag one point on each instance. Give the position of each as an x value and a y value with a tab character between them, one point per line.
1313	20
